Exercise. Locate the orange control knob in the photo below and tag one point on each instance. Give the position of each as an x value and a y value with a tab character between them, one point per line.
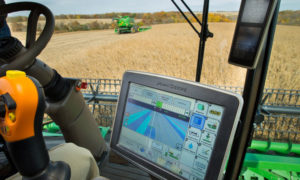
18	106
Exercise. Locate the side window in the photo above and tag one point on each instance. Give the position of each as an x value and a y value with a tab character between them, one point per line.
277	127
281	100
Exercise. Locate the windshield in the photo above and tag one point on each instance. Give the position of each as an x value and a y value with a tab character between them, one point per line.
98	41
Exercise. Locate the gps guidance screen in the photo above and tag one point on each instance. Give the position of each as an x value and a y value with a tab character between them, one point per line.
172	131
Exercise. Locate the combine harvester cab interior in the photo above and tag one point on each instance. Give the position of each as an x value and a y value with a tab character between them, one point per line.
151	126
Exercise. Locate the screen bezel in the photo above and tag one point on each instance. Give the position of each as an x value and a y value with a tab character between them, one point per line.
262	35
231	103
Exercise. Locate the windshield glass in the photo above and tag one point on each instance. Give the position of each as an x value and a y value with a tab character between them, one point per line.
97	41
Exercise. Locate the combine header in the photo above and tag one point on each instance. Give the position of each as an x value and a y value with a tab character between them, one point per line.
126	24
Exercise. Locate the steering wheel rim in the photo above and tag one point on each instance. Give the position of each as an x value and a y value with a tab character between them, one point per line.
33	47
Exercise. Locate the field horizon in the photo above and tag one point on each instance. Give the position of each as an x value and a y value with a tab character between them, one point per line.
168	49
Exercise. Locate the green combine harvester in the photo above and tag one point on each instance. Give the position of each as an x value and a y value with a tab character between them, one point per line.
126	24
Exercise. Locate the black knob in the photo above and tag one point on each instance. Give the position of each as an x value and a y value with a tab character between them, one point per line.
2	109
9	101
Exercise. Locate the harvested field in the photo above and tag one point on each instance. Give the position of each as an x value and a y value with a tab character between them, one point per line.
169	49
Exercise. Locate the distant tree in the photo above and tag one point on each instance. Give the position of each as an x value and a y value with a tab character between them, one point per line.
17	19
74	26
18	27
39	27
94	25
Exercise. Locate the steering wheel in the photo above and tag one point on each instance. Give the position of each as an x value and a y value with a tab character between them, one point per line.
33	46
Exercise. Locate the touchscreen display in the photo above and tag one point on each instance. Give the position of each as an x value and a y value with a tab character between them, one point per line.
174	132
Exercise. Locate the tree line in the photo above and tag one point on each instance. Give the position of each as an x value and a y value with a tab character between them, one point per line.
289	18
17	22
148	18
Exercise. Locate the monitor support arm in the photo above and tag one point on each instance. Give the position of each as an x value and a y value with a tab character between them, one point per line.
252	95
203	35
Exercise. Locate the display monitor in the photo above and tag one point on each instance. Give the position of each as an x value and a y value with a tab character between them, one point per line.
174	128
251	31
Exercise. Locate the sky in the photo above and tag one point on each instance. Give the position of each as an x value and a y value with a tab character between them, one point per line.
104	6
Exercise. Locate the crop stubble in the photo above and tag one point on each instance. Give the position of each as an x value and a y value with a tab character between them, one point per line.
169	49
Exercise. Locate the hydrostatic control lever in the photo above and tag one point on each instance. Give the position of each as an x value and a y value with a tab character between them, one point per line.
22	108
